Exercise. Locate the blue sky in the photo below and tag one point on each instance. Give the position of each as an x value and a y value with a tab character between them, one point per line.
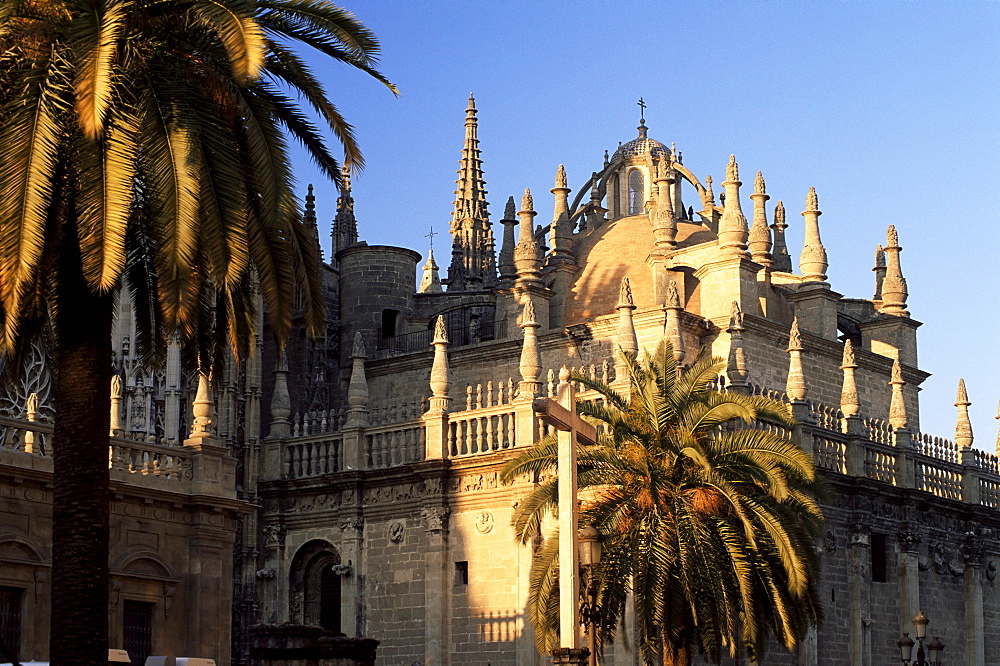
888	109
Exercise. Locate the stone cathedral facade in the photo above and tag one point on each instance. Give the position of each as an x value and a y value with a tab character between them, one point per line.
352	482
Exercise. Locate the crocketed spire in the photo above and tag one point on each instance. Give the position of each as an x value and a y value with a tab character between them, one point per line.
473	263
430	281
345	226
780	259
812	261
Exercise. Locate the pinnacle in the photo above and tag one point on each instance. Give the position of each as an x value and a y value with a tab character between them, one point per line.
561	177
508	211
779	214
891	237
963	396
527	203
758	184
732	169
812	201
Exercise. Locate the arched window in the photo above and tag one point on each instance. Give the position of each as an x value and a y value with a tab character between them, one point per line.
315	586
614	196
636	193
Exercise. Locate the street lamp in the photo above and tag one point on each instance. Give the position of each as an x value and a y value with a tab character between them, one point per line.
589	540
934	647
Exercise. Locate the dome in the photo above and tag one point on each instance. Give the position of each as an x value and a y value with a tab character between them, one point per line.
640	146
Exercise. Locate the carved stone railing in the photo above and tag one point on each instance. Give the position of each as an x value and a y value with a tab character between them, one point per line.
395	444
168	462
31	437
313	455
482	430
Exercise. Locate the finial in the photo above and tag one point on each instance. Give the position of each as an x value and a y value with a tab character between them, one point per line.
758	184
358	350
563	374
963	396
509	211
709	195
430	235
812	201
625	295
527	203
779	214
848	359
891	237
673	299
732	169
794	336
472	104
606	159
561	176
879	257
897	405
642	110
896	376
528	314
440	331
736	317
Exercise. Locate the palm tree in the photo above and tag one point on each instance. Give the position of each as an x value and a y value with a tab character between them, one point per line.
143	143
707	510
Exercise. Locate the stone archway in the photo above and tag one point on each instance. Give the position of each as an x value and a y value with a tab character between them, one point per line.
314	587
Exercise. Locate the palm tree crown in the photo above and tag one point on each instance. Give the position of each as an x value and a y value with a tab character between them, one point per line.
707	511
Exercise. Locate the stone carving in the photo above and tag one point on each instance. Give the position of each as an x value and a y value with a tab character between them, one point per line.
396	531
342	569
939	560
358	351
908	541
274	536
355	524
829	542
265	574
435	518
484	522
991	571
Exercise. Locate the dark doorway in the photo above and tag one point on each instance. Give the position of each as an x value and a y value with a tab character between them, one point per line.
137	630
329	600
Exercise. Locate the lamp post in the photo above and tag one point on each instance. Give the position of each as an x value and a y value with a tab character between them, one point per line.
589	540
934	647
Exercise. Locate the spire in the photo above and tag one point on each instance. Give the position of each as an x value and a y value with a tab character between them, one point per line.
998	432
780	259
897	406
531	360
672	325
664	215
963	427
440	379
561	230
736	368
760	235
595	211
507	270
795	386
345	226
733	225
894	291
626	343
849	389
879	270
812	261
430	282
281	401
309	214
357	390
473	264
527	257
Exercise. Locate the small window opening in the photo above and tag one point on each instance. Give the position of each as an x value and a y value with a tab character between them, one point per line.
389	323
461	573
329	600
879	568
636	193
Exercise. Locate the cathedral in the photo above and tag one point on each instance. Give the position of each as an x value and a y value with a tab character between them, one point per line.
352	481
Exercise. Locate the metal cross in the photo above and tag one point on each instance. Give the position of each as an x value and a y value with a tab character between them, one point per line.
642	109
431	235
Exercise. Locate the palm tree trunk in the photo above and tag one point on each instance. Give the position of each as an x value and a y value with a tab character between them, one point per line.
81	487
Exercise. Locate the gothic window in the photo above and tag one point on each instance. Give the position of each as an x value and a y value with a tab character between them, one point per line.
636	193
137	630
10	621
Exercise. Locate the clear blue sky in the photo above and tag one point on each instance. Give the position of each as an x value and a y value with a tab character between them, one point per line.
889	109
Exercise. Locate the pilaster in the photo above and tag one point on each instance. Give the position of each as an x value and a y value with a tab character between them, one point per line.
859	631
436	620
909	579
972	587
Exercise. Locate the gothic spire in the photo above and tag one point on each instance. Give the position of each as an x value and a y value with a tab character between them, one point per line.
760	235
812	261
345	226
473	262
430	281
780	259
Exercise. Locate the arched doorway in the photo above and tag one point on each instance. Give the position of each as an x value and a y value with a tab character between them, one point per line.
314	587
